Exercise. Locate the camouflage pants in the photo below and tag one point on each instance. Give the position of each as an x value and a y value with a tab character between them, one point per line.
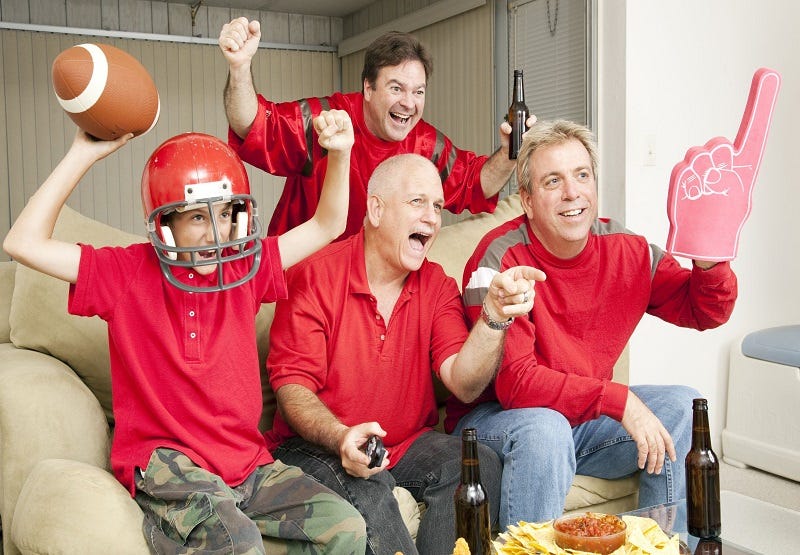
191	510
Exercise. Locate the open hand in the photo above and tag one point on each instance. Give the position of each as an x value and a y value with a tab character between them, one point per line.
651	437
710	191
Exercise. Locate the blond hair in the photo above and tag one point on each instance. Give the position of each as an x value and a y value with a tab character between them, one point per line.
549	133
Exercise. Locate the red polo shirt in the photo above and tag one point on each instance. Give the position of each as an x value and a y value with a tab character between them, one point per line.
330	338
184	366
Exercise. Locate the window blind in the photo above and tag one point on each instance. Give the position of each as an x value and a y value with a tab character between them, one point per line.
548	40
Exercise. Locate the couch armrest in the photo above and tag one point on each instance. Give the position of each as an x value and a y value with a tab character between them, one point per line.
72	507
45	412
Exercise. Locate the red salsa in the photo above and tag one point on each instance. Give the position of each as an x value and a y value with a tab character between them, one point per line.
592	525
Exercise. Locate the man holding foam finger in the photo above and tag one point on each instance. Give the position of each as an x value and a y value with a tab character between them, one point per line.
553	410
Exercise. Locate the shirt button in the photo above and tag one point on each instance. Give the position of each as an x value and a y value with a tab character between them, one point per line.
383	337
193	335
191	313
377	316
191	276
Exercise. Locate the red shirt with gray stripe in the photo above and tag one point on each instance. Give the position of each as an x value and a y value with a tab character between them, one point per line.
282	142
562	355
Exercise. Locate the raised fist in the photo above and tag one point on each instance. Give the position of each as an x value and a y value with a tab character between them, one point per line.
711	190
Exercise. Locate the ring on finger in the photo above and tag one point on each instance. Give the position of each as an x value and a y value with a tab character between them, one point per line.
526	296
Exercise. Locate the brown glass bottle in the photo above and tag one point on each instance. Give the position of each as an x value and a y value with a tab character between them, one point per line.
517	116
472	504
702	478
709	546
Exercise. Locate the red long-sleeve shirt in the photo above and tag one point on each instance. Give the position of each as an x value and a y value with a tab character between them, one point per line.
282	142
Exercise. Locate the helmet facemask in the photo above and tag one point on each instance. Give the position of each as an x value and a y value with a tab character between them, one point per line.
159	186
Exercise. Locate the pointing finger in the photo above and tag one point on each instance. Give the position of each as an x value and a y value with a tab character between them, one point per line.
752	135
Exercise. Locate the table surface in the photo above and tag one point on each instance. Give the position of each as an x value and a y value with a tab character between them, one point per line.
749	526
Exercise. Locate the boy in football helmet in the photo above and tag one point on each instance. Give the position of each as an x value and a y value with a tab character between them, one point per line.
184	363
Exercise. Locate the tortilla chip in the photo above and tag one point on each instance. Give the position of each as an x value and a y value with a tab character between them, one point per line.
461	547
645	537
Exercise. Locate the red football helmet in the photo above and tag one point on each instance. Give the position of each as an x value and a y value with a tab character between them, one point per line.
191	171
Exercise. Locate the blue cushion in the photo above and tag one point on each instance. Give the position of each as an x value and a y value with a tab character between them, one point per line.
780	345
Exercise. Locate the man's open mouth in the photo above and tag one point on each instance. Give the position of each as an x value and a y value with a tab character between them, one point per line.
400	118
418	240
575	212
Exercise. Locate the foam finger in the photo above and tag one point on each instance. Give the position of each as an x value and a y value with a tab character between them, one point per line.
752	135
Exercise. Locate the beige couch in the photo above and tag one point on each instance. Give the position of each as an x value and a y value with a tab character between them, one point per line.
56	492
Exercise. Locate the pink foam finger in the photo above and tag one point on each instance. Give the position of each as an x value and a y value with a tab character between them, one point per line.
710	194
752	135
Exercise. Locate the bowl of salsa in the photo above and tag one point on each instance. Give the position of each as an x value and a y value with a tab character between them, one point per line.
593	532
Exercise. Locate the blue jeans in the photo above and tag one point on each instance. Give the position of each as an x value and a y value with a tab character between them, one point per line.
430	470
541	453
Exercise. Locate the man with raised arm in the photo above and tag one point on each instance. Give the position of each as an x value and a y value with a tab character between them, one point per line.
387	120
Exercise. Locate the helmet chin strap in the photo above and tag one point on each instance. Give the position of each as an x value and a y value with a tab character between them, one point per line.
241	227
169	240
242	230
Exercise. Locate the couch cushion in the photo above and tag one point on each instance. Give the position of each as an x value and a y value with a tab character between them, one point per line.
39	318
456	243
588	491
7	271
263	323
61	496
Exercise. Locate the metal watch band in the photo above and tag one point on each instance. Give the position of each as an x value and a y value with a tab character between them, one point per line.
494	324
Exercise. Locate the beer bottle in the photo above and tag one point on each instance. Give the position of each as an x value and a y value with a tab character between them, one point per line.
702	478
711	546
472	505
517	116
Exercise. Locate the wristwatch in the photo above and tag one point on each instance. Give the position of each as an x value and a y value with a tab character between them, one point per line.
494	324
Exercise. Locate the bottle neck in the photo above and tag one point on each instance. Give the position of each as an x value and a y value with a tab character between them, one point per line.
470	471
701	434
519	88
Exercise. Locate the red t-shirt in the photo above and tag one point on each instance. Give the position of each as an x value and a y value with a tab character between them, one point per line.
330	338
282	141
562	355
184	366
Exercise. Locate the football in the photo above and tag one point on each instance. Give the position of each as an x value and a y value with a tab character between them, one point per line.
105	91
